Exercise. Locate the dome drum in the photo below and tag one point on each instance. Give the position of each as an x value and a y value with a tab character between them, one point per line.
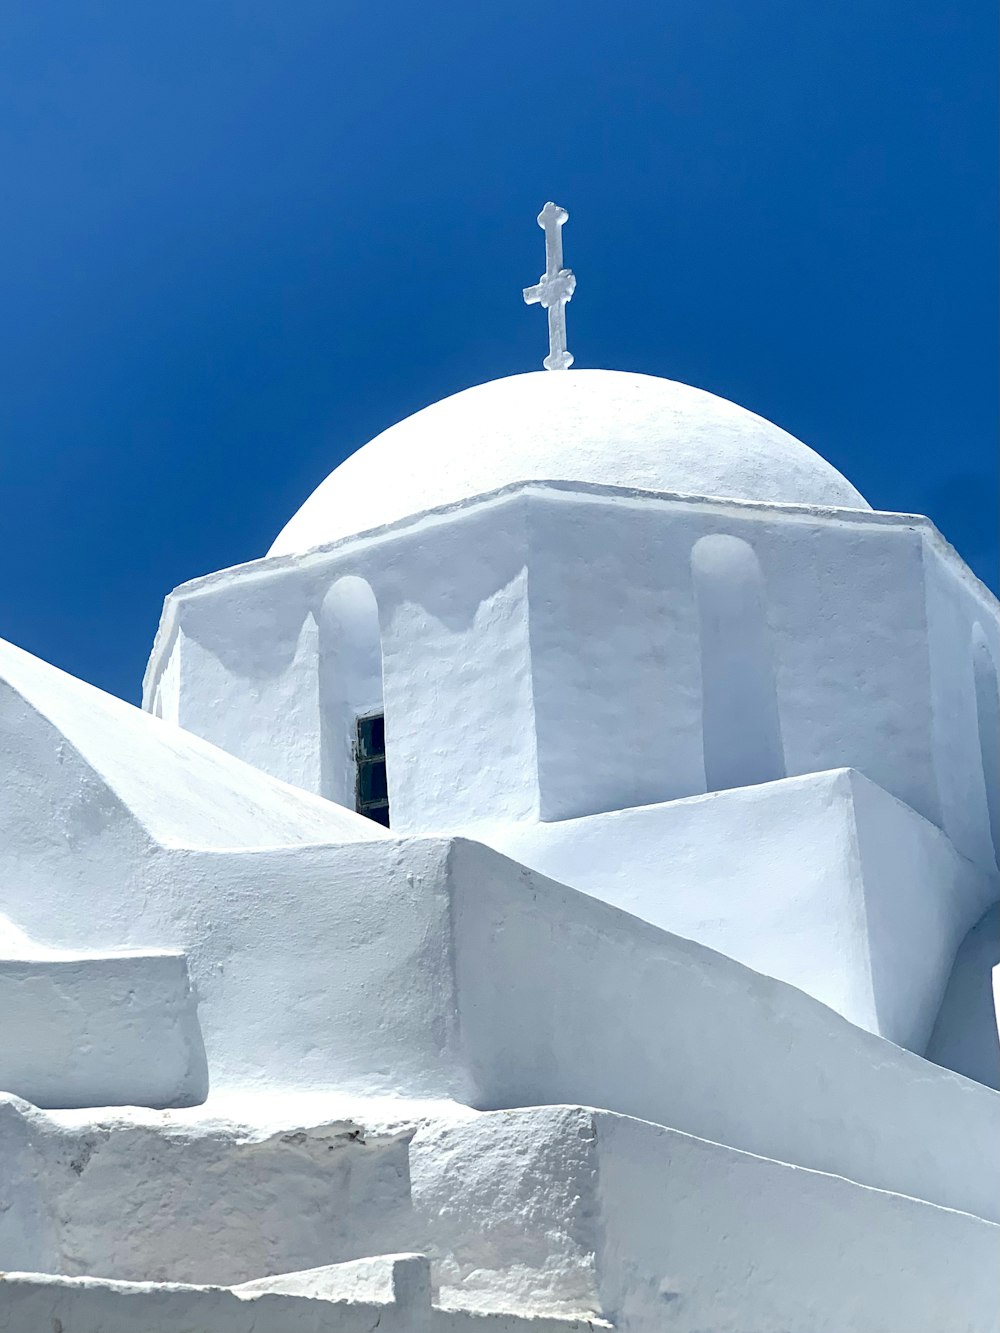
586	647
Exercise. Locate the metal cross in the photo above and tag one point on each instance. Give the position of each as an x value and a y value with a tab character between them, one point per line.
554	288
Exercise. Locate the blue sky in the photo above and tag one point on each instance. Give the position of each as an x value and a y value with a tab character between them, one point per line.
241	238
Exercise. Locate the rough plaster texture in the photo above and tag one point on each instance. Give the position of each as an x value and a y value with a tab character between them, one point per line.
381	1279
558	634
600	426
77	762
642	1218
310	1302
390	1293
765	723
618	638
738	1058
497	987
841	890
198	1197
556	629
434	967
560	1212
96	1030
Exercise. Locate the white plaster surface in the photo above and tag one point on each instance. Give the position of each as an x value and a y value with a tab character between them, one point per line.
437	968
965	1036
434	967
77	759
643	643
553	632
100	1029
565	999
350	681
334	1299
379	1279
621	709
960	618
95	1305
555	1212
840	889
791	1250
601	426
671	1231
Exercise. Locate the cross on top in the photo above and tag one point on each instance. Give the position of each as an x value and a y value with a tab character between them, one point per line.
554	288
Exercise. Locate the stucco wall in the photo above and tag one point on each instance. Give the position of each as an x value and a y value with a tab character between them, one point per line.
565	999
787	1250
554	1211
436	968
452	607
616	649
840	889
390	1293
542	655
966	1035
673	1232
956	605
97	1030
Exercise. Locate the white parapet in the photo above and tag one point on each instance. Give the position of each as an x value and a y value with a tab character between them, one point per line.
436	968
389	1292
550	1214
100	1030
823	880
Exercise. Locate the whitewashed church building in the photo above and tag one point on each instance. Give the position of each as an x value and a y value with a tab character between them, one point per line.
554	889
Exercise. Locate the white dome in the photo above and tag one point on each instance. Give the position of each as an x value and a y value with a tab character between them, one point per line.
602	426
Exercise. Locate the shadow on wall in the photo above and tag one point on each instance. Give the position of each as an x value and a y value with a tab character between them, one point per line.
741	732
350	681
965	1035
988	718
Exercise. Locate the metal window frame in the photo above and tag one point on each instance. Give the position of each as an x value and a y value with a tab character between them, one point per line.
363	760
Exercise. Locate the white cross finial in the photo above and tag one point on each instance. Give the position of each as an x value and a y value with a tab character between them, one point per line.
554	288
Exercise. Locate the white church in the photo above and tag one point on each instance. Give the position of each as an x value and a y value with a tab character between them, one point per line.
553	889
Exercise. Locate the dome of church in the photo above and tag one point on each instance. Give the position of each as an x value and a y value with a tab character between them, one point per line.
601	426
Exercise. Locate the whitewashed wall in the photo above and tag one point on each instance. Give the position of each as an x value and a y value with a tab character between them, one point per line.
544	656
456	675
960	612
837	888
556	1211
618	671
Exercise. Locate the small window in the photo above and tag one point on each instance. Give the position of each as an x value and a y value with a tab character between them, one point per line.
372	790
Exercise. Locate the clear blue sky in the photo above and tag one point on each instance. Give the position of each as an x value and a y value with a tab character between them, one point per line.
240	238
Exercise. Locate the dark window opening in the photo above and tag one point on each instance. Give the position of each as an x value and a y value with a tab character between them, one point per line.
372	789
